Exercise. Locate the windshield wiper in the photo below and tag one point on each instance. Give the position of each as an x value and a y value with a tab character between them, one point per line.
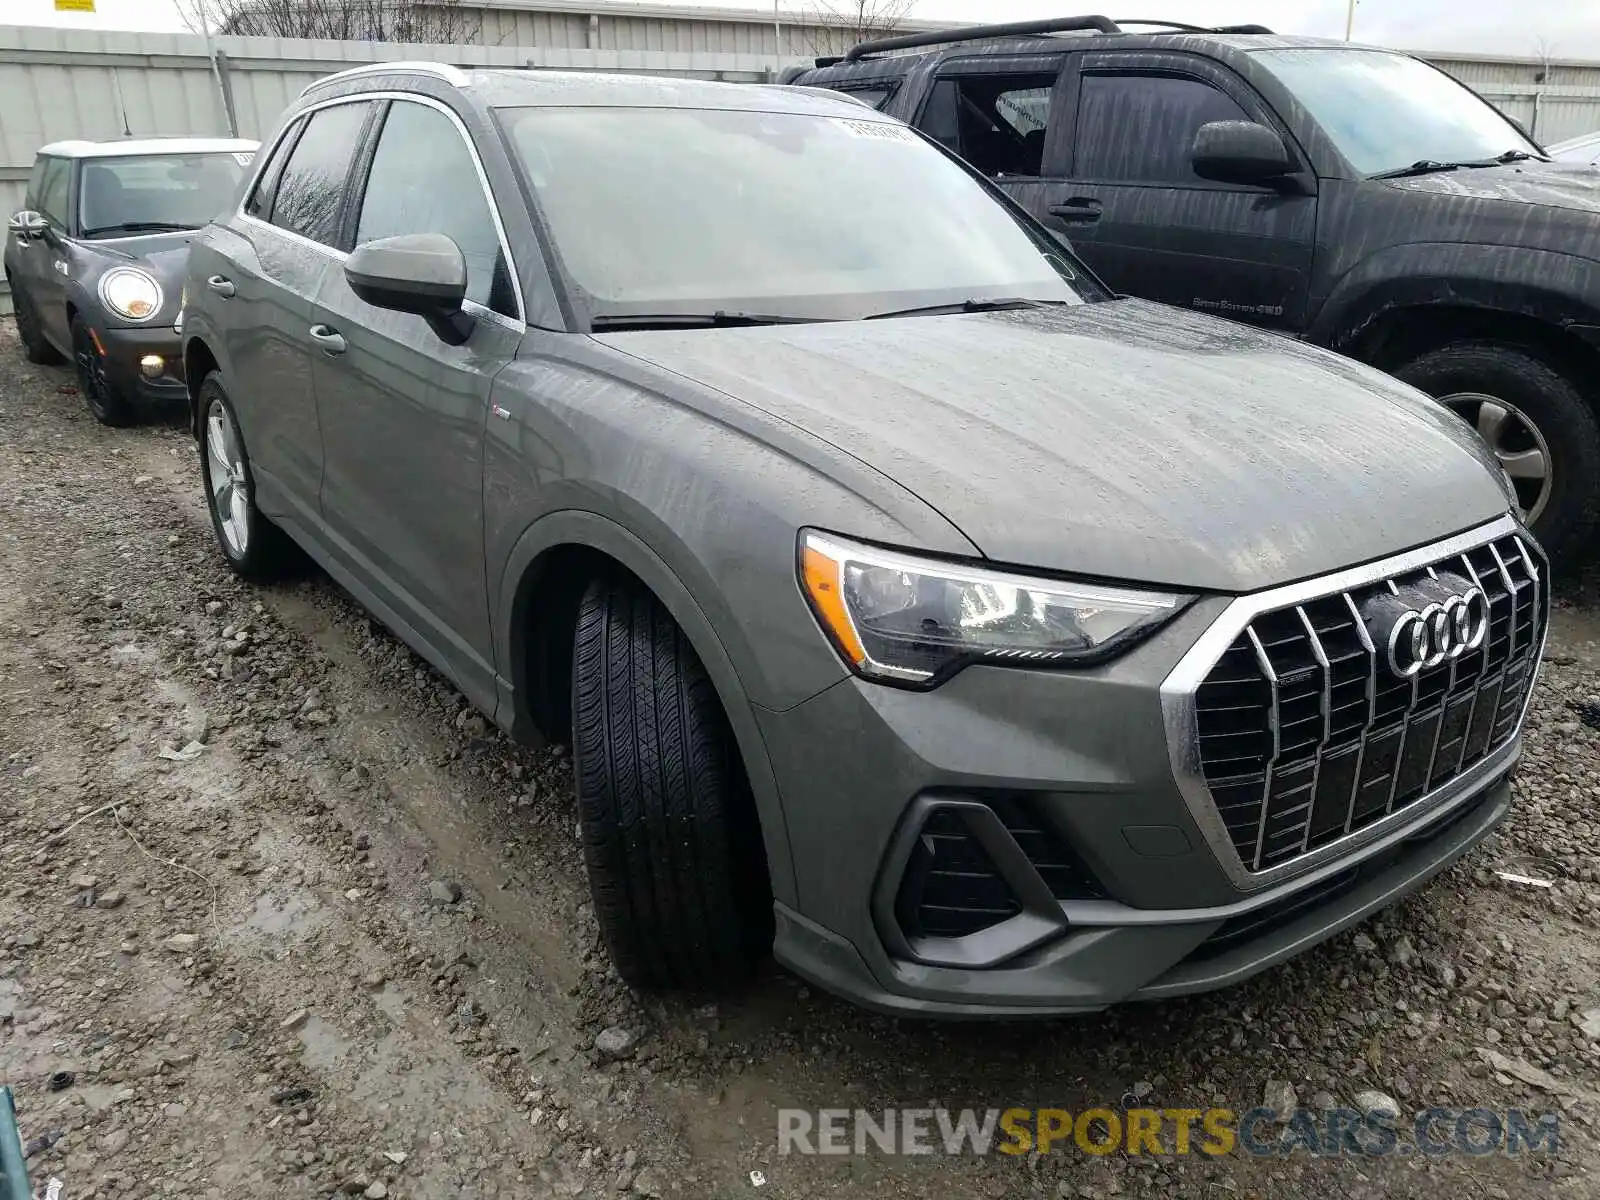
1423	166
721	319
138	227
1003	304
1428	166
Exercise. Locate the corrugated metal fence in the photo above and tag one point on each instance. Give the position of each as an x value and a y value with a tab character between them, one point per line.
1553	100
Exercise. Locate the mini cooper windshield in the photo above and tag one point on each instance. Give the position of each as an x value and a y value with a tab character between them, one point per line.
720	217
150	193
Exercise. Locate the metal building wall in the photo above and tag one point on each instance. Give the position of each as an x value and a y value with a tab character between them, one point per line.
1554	100
620	26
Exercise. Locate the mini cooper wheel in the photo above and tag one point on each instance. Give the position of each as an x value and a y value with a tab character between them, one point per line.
670	836
107	404
1536	423
35	348
255	548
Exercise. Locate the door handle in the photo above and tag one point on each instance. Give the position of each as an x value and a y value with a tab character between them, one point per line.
329	339
221	285
1081	209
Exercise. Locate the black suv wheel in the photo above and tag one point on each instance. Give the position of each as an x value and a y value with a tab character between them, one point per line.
1540	427
670	838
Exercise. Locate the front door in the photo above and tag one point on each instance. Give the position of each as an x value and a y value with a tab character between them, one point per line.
1148	225
403	411
44	259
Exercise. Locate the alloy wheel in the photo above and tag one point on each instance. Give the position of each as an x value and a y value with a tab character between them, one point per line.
230	487
91	365
1515	441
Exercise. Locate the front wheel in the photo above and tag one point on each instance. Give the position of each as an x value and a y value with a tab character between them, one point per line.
670	836
1537	423
105	401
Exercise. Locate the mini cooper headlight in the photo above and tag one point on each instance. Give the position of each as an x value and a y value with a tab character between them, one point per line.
897	617
131	293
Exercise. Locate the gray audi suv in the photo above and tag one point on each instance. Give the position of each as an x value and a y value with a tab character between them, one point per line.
974	640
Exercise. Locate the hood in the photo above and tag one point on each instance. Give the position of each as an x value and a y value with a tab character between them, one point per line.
164	255
1556	185
1124	440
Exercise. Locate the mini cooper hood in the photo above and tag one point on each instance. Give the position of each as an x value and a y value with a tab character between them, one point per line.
164	255
1125	440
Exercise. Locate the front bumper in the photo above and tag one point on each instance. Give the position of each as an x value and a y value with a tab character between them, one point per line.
124	347
1067	795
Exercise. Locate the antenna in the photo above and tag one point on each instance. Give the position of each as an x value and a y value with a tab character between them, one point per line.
122	105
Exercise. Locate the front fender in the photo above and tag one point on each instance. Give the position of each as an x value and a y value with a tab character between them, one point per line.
1562	290
577	527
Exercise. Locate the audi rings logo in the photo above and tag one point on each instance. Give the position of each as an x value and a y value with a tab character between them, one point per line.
1429	637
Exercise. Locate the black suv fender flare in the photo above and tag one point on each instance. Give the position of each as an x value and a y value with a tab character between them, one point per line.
577	527
1549	287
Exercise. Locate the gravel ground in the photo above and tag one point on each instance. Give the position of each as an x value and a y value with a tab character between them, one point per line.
280	916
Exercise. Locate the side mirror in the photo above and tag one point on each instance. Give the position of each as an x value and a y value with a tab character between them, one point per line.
420	273
1240	152
28	225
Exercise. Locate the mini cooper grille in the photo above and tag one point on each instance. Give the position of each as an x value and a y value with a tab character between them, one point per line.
1307	733
952	886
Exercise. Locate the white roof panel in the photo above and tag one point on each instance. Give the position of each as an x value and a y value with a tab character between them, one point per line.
129	147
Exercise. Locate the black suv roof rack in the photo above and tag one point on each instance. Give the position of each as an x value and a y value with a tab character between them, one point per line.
973	33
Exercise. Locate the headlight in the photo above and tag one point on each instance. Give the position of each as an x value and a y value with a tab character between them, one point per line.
913	620
131	293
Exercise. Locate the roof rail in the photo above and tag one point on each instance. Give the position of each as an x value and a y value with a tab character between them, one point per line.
969	33
451	75
972	33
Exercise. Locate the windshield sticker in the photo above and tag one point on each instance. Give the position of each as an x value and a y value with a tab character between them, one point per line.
244	158
883	130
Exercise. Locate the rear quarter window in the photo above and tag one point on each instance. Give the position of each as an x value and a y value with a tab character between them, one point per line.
311	192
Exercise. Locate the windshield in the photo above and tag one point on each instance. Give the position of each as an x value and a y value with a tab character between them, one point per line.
152	192
717	211
1386	111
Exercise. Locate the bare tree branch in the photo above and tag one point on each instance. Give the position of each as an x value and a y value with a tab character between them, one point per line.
833	26
442	22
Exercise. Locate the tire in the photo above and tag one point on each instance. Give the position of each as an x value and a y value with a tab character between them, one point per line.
1546	412
670	836
35	347
107	404
254	547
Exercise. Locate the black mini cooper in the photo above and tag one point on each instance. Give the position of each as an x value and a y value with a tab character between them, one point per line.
95	259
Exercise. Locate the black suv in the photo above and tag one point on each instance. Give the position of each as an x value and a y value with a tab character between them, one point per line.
1354	196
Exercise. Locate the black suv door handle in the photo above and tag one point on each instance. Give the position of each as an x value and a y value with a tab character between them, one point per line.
329	339
1083	209
221	285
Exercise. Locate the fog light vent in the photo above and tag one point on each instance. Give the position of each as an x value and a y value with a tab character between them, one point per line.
951	887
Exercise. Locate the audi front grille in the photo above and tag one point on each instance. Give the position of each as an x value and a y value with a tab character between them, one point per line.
1320	721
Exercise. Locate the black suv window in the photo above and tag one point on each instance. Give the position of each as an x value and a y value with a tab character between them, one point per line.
998	123
425	180
1139	128
309	195
54	182
876	95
